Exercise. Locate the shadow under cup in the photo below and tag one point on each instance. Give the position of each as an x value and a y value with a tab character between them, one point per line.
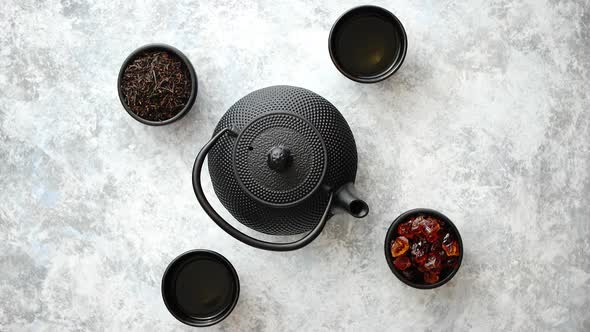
368	44
200	288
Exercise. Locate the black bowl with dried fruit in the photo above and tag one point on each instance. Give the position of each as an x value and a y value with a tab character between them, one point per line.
157	84
423	248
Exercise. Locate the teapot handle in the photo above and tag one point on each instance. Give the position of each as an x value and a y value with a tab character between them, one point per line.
273	246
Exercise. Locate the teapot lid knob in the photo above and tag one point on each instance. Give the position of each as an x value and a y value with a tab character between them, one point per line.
279	158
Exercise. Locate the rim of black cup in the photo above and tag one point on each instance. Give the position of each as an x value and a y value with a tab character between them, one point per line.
391	232
397	62
169	298
187	63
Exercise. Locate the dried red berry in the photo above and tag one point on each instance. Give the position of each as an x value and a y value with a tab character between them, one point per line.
430	229
405	229
400	246
402	263
431	277
436	248
417	225
420	248
450	245
433	262
451	263
411	274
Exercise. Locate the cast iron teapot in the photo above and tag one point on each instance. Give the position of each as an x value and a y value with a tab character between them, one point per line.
282	160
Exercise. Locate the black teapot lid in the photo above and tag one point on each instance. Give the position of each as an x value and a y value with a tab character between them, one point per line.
280	159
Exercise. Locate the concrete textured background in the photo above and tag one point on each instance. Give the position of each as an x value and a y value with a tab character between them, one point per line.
487	121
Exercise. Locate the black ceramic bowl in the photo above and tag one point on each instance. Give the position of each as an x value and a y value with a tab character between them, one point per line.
392	234
200	288
189	66
350	34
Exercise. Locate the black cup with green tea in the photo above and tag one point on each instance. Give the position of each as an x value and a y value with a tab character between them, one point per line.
368	44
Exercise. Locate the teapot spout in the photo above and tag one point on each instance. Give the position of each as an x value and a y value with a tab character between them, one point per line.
346	200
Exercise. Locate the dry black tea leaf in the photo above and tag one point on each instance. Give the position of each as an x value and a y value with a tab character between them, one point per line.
156	85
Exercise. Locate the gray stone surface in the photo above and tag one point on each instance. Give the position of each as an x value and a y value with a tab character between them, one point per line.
488	121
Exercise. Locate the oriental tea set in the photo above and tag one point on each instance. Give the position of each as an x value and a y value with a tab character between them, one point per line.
283	161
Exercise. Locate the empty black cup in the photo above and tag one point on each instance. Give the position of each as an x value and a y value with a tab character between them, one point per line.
200	288
368	44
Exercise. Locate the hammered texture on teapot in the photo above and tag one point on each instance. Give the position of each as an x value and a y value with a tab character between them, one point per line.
260	209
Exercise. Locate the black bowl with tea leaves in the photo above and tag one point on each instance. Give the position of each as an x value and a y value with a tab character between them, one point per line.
157	84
